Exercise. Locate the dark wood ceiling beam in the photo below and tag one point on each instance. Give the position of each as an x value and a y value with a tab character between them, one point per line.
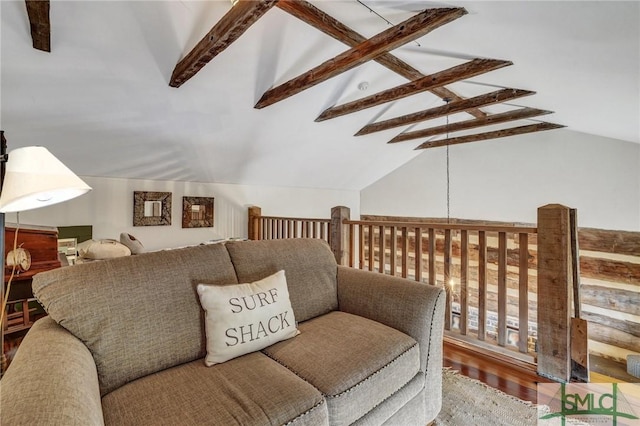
451	75
38	11
409	30
498	96
531	128
232	25
504	117
318	19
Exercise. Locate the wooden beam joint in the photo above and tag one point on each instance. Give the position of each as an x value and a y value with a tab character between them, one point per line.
396	36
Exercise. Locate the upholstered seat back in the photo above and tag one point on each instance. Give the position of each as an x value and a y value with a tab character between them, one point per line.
309	266
136	314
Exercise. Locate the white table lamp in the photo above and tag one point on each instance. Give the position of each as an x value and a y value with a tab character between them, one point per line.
34	178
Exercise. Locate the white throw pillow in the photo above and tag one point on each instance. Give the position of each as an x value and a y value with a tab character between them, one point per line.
244	318
132	243
102	249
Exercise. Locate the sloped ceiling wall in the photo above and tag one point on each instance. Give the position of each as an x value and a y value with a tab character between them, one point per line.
101	101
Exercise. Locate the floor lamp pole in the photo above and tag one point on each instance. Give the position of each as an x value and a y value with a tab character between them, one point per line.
3	164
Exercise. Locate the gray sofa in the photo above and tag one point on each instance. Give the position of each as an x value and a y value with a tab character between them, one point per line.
124	344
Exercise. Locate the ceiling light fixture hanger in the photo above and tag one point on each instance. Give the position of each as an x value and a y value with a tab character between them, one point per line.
447	100
381	17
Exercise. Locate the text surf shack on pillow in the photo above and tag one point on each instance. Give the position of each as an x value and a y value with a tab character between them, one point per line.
244	318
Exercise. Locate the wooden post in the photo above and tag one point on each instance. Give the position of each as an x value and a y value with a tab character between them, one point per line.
255	213
579	326
339	234
555	284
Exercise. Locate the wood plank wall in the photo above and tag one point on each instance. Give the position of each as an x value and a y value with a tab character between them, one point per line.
609	271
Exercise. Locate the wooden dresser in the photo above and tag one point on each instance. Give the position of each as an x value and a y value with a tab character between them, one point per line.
22	308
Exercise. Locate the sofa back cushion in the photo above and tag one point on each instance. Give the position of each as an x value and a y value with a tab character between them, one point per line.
137	314
309	265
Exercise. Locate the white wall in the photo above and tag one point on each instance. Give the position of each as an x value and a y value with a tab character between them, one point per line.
508	179
109	208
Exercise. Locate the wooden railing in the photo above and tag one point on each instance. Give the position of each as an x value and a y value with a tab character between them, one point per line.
492	275
485	270
272	227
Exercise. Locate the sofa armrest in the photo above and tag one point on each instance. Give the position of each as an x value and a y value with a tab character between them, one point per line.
51	381
416	309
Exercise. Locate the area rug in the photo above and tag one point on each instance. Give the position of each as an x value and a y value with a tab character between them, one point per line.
469	402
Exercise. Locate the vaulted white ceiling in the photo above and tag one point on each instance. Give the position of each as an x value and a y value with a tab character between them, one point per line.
101	100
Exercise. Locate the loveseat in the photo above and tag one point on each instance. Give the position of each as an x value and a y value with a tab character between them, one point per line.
124	344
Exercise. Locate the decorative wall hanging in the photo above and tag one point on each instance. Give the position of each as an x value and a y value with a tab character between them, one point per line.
151	208
197	212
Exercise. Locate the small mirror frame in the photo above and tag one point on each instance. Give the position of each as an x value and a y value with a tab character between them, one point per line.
187	218
139	198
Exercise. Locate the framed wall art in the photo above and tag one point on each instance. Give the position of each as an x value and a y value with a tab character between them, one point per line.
151	208
197	212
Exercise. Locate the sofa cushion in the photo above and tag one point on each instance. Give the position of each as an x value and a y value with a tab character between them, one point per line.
309	264
355	362
136	314
247	317
249	390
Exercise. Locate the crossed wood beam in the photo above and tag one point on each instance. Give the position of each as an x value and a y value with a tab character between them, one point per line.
246	12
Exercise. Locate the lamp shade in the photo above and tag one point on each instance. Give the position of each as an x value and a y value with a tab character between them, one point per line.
35	178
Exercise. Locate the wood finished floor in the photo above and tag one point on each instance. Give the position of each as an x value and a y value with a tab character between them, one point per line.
514	378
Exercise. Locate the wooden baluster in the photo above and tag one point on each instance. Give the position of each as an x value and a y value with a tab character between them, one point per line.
418	255
523	296
352	245
323	235
482	284
405	252
502	288
314	229
361	246
464	276
371	247
432	256
381	249
447	278
393	250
